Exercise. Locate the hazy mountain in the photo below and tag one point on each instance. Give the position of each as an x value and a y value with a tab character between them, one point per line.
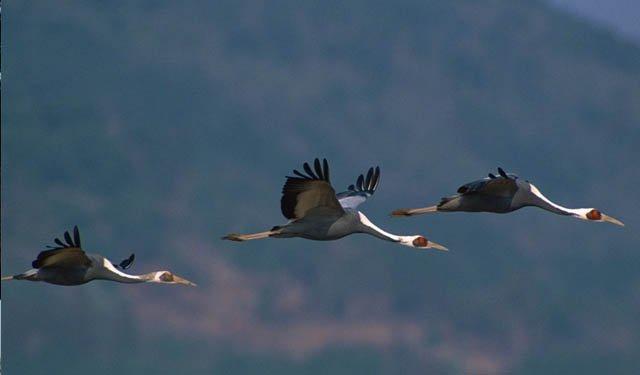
158	127
619	15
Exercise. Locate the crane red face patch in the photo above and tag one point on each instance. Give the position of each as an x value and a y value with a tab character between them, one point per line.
594	215
420	242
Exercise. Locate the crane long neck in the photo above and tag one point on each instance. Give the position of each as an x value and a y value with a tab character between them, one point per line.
370	228
128	279
546	204
115	274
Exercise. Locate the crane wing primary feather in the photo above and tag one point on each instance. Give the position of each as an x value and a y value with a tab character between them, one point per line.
67	257
503	185
67	237
126	263
304	192
76	237
75	242
361	191
68	254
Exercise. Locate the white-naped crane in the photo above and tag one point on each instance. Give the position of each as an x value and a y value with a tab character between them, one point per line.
502	194
316	212
66	263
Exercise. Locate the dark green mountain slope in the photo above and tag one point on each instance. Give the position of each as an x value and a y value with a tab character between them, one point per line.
158	127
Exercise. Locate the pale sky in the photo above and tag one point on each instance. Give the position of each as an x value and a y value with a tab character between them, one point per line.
622	16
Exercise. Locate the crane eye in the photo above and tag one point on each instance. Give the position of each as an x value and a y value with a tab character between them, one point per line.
594	215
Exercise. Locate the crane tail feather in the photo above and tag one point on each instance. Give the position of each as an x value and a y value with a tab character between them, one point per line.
7	278
414	211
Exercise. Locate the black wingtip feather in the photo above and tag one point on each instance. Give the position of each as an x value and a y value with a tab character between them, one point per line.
360	182
307	168
368	184
320	171
76	236
502	173
297	173
127	262
325	164
67	237
318	167
368	180
492	176
70	241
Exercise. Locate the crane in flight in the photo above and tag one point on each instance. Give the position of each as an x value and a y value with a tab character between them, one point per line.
316	212
502	194
66	263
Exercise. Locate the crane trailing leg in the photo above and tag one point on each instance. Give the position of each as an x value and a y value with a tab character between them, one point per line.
28	275
252	236
414	211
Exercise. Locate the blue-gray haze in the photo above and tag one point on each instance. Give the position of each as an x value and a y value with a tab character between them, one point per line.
158	127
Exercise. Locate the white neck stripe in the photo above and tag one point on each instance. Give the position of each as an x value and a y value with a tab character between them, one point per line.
109	266
575	211
366	222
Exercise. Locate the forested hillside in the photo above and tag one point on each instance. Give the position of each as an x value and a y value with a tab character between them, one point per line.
159	127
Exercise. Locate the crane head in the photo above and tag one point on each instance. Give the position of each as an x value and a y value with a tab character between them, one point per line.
593	214
421	242
166	277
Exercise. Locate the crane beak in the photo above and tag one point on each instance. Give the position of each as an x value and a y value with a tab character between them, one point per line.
180	280
612	220
436	246
423	243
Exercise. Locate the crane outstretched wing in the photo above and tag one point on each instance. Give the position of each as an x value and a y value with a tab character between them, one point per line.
306	191
125	263
65	254
361	191
503	185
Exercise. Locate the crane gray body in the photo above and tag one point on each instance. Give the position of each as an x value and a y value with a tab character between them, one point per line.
78	274
509	199
59	275
66	263
317	213
502	194
320	225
